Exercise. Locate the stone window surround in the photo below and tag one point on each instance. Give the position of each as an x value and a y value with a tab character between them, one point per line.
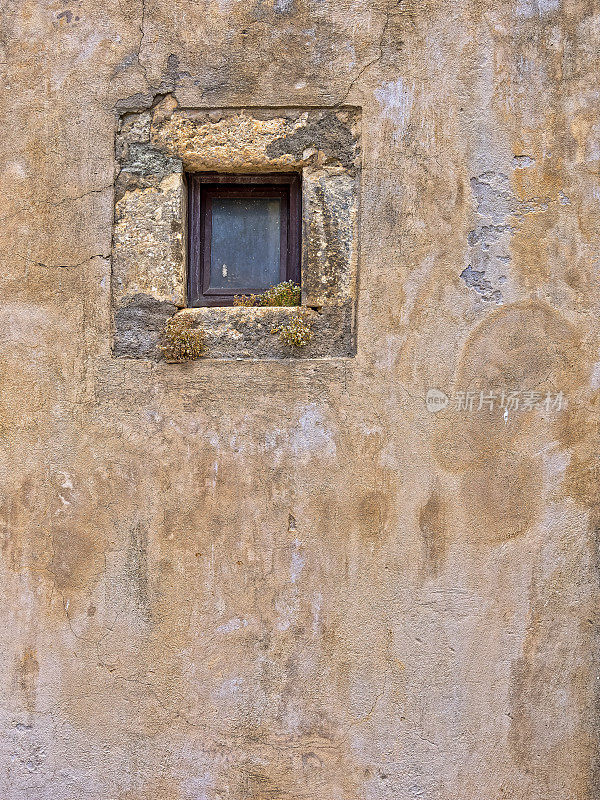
156	148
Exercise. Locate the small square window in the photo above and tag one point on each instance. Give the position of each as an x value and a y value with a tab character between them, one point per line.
244	235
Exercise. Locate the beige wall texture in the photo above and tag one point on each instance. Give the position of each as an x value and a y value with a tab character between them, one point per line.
287	579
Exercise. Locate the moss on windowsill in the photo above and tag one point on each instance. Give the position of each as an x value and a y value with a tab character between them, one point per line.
287	293
298	331
182	340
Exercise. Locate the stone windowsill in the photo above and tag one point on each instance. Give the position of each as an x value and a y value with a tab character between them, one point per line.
246	332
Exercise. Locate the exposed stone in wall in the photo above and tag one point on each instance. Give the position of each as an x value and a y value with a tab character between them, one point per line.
281	577
149	244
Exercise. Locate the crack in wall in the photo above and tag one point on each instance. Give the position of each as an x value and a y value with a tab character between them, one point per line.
141	42
378	57
61	266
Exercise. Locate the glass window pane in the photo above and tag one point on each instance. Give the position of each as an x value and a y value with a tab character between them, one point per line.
245	243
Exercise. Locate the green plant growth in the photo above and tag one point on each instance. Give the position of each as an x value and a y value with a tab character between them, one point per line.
298	331
287	293
182	341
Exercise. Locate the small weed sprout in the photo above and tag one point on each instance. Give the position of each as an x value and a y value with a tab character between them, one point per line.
287	293
183	342
246	300
298	331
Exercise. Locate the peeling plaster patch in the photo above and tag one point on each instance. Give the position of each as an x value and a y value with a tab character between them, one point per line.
297	564
390	346
397	99
67	483
414	284
536	8
283	6
312	434
230	687
522	162
556	462
88	48
476	280
233	625
130	60
316	607
287	614
388	457
492	194
489	240
595	377
14	171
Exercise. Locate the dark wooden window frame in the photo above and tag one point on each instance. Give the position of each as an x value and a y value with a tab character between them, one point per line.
202	189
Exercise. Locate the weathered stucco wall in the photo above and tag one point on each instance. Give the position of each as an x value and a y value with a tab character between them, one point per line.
289	579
